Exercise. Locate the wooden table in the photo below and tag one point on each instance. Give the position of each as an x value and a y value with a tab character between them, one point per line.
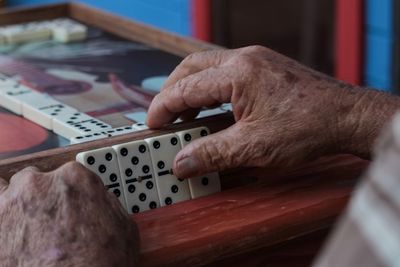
262	217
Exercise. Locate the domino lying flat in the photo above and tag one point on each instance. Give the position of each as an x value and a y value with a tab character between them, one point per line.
12	96
102	134
50	113
145	171
66	30
22	33
62	30
70	123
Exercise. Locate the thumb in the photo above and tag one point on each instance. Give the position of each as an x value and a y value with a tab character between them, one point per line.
217	152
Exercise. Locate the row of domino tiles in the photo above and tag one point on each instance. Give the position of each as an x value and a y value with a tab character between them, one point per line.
64	120
62	30
140	172
140	125
53	115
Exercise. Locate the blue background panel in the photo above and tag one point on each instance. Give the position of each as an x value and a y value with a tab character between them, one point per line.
379	15
170	15
381	83
378	65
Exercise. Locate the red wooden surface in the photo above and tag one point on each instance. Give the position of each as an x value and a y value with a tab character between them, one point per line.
300	252
349	40
271	209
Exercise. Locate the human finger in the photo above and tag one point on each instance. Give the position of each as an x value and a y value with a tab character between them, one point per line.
197	62
205	88
217	152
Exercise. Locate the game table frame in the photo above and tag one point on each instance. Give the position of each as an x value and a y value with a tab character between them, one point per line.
263	217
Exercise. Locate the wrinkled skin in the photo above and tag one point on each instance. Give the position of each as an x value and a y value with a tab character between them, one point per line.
285	113
63	218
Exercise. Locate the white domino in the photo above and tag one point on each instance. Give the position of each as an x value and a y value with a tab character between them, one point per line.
119	131
206	184
104	163
66	30
87	138
11	97
6	82
102	134
137	176
163	150
28	32
140	126
74	124
40	109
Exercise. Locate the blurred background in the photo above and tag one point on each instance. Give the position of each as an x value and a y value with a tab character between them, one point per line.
353	40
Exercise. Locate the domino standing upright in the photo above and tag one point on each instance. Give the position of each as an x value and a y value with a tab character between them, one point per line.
163	150
206	184
104	163
137	176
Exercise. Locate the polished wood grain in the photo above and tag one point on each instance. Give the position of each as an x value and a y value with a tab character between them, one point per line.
16	15
300	252
275	209
178	45
134	31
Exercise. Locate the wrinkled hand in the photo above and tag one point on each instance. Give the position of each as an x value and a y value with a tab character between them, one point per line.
63	218
285	113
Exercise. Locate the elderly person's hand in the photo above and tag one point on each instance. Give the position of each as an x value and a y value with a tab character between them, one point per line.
63	218
285	112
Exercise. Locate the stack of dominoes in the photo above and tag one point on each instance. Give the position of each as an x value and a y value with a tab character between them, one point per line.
52	114
140	173
62	30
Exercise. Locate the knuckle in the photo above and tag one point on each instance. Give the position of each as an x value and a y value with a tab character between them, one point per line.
28	178
255	49
184	89
180	86
74	173
28	175
73	165
30	169
247	61
190	58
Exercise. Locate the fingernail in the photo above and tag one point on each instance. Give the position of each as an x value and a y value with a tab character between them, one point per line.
188	166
